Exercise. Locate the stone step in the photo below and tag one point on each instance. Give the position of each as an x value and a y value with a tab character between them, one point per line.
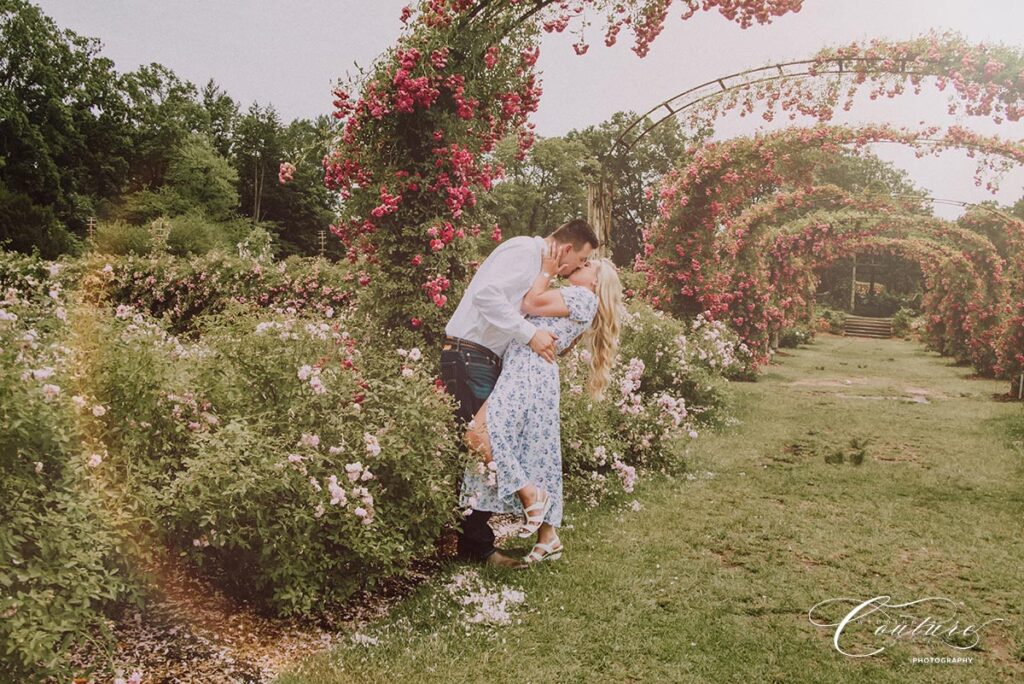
878	336
868	326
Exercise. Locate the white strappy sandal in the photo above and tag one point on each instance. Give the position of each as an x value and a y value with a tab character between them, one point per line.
551	551
533	522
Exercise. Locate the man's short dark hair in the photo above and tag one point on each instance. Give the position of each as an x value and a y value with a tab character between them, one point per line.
577	233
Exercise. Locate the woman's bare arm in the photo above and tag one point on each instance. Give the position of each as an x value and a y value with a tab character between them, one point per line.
549	303
541	300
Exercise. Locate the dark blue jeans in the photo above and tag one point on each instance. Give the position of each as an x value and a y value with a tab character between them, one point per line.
469	374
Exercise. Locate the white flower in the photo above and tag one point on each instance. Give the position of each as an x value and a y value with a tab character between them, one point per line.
39	467
372	445
308	440
365	640
402	352
337	493
693	434
99	410
415	354
353	470
295	458
51	391
304	372
635	505
318	511
407	372
360	512
95	460
42	373
108	268
78	400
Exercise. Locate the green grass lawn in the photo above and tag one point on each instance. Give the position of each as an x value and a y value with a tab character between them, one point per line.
712	580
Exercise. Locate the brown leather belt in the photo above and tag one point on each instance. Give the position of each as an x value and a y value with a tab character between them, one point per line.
457	343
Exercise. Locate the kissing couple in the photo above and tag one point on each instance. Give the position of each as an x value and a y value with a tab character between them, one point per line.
499	362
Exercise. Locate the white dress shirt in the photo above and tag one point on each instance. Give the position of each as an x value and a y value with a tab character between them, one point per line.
489	313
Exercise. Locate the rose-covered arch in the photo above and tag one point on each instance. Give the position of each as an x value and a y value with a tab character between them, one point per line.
733	194
984	80
965	291
699	232
987	81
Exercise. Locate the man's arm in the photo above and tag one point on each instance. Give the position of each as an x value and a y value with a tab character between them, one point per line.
498	300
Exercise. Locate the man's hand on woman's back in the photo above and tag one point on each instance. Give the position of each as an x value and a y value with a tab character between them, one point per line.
543	342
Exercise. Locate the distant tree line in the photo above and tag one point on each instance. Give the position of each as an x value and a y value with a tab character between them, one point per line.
80	140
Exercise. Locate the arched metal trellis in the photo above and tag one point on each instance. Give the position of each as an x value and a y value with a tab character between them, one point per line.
601	193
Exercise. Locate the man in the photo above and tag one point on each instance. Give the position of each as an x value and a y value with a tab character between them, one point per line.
487	319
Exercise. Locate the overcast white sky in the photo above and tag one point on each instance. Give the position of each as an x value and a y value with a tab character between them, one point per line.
290	53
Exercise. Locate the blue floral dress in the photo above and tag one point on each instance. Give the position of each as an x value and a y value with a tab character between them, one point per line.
523	420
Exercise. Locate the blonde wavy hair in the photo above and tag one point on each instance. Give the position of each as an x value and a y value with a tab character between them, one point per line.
601	340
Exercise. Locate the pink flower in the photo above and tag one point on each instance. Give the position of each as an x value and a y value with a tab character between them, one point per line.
286	173
491	58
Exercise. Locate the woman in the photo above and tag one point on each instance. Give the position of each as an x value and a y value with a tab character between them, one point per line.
517	430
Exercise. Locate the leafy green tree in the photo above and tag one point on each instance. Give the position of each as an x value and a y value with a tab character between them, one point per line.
304	206
164	112
200	178
541	191
26	227
65	134
987	219
295	211
867	173
549	185
632	173
259	149
220	118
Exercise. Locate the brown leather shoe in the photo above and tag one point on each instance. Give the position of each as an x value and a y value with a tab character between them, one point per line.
500	560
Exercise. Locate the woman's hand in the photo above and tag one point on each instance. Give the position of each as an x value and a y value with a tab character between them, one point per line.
549	261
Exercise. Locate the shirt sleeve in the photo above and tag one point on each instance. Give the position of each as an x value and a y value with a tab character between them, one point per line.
581	303
499	300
